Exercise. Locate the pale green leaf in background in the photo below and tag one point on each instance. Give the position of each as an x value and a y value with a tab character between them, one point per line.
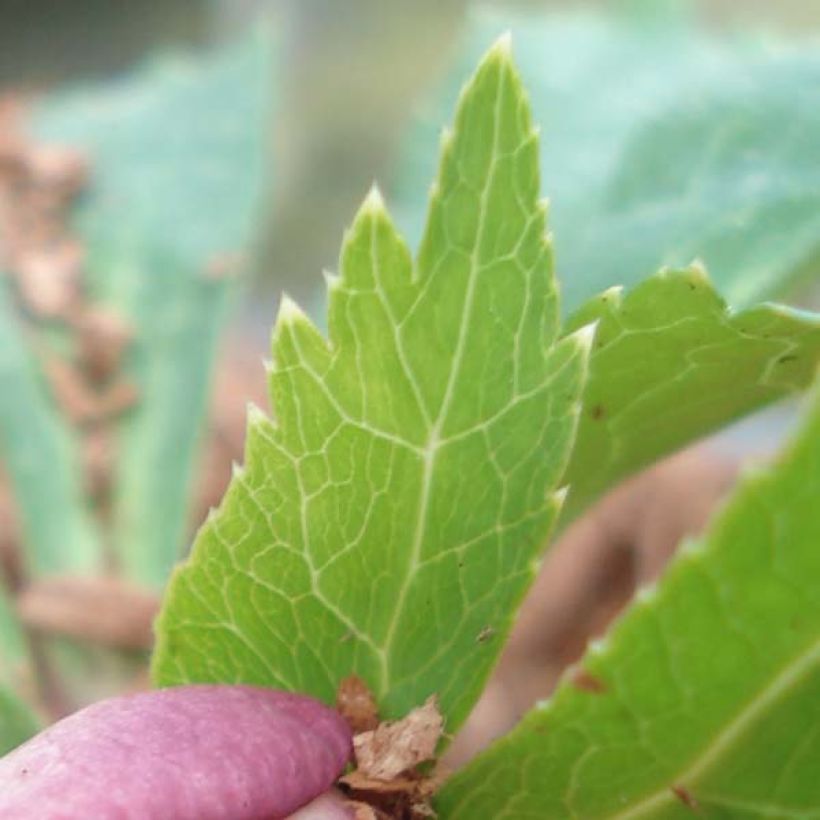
390	518
177	152
672	363
708	689
661	145
40	460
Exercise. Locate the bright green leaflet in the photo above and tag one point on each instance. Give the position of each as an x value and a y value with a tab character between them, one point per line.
670	363
712	682
177	152
661	145
392	517
17	722
39	458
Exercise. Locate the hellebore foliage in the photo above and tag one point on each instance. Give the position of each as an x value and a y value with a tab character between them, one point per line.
391	514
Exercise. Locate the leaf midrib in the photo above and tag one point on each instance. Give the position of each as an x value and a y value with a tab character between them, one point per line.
434	440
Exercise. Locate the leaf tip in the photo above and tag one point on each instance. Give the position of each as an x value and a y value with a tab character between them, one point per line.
613	295
374	201
502	47
289	311
584	336
698	270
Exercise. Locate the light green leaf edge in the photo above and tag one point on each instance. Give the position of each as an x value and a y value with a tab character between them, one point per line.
391	518
178	157
710	684
671	363
42	463
662	144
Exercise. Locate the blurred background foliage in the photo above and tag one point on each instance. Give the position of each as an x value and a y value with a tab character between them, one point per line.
354	76
201	128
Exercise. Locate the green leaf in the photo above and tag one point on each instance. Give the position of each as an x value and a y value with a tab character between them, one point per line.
178	162
17	721
39	456
708	689
661	145
391	518
670	364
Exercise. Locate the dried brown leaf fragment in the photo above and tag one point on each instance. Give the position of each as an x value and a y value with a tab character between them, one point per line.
399	746
387	782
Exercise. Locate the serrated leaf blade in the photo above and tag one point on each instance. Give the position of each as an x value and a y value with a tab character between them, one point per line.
394	512
708	687
671	363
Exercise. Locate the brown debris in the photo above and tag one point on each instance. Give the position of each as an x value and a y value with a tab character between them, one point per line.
388	782
364	811
38	185
586	681
71	393
485	635
685	797
407	797
83	404
11	560
396	747
102	337
48	279
98	454
356	704
106	611
117	398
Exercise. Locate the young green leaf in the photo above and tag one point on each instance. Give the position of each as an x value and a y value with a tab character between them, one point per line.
177	154
390	519
661	145
671	363
707	693
38	455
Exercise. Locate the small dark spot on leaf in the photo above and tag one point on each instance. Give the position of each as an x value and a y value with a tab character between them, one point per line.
597	411
587	682
685	797
787	358
348	636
